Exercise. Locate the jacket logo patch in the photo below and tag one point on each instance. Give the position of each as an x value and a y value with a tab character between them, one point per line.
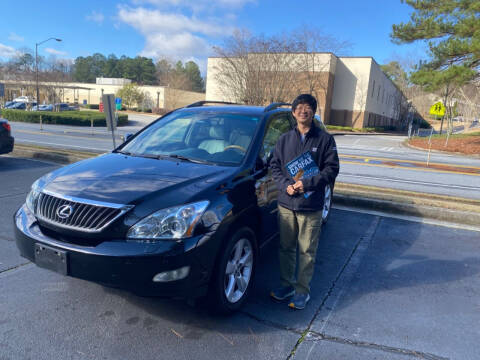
314	149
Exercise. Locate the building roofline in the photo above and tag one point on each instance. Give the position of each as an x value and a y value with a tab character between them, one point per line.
277	53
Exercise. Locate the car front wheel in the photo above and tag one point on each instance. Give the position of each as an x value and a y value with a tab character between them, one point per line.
234	272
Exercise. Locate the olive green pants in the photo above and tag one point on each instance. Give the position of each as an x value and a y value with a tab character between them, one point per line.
300	228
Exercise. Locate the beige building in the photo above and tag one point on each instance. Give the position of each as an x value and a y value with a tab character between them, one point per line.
351	91
86	93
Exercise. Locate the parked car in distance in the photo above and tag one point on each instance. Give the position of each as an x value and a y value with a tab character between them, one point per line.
17	106
6	138
45	107
180	209
63	107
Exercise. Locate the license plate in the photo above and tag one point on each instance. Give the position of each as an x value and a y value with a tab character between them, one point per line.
51	259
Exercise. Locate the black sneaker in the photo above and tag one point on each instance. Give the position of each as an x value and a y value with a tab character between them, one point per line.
282	293
299	301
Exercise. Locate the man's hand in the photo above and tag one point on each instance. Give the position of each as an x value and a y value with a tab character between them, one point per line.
298	186
291	190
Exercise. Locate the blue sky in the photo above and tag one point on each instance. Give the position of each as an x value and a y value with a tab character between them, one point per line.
187	29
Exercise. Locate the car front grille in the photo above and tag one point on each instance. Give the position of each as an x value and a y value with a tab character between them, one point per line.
77	214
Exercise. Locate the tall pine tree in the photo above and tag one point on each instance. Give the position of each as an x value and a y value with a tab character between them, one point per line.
452	30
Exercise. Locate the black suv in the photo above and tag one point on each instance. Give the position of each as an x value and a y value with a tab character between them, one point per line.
179	209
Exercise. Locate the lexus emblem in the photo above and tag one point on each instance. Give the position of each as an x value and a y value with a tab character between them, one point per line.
64	211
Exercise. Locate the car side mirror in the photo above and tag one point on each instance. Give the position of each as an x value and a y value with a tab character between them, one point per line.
126	137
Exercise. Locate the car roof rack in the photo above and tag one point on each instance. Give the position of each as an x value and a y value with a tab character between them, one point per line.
275	105
203	102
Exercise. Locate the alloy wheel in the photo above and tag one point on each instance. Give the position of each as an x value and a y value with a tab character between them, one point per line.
238	271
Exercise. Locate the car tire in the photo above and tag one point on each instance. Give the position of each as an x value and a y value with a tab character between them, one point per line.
327	203
234	271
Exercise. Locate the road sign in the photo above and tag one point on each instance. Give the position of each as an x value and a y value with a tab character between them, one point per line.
118	103
108	101
437	109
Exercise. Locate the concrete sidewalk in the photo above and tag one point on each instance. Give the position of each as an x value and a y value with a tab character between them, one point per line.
405	203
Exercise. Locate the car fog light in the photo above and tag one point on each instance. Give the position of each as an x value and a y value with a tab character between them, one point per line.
172	275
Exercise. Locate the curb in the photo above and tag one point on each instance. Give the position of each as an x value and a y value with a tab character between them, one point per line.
429	206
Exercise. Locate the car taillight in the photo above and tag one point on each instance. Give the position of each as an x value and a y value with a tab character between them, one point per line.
7	126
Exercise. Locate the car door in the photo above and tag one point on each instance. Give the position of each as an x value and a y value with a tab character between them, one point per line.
265	186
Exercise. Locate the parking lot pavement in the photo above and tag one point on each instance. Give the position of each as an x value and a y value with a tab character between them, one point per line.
411	288
383	289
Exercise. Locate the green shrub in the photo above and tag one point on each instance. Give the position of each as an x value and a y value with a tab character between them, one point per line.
77	118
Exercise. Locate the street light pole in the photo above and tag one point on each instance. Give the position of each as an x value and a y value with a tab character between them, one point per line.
36	65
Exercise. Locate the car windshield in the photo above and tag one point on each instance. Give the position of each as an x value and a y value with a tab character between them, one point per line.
210	137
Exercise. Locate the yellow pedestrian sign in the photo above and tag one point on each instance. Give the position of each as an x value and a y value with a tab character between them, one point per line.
437	109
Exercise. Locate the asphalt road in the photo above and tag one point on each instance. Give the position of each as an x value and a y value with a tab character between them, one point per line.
383	289
385	161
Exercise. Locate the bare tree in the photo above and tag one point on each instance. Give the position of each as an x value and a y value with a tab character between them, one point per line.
259	69
469	101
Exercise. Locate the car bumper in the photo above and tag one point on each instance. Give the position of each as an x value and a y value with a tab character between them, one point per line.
124	264
6	145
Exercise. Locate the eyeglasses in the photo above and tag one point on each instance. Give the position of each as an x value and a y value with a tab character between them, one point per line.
303	107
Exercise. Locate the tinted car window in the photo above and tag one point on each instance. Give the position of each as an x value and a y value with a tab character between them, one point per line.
207	136
277	126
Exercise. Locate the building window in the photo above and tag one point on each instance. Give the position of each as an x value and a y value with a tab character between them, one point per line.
378	94
373	88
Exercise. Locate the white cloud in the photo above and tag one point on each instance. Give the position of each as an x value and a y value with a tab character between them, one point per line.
196	4
97	17
181	45
7	51
173	34
55	52
181	29
156	21
15	37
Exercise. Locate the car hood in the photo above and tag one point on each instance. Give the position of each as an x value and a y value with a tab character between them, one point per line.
122	179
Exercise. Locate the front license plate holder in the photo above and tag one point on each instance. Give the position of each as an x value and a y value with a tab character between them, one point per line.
51	258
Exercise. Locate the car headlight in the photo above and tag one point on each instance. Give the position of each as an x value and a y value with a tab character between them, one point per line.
33	196
173	223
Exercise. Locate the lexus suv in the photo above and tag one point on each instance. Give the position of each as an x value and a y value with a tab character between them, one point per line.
179	209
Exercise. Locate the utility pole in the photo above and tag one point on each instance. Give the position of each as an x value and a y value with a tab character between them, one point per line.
36	65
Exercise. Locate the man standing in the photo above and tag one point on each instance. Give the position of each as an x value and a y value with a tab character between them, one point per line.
300	199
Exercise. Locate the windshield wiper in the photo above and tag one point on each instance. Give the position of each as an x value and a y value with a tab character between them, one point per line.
181	157
149	156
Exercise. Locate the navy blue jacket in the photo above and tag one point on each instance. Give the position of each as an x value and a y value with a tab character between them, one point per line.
324	151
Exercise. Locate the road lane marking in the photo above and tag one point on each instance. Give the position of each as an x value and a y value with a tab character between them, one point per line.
407	161
62	135
63	145
462	187
425	169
